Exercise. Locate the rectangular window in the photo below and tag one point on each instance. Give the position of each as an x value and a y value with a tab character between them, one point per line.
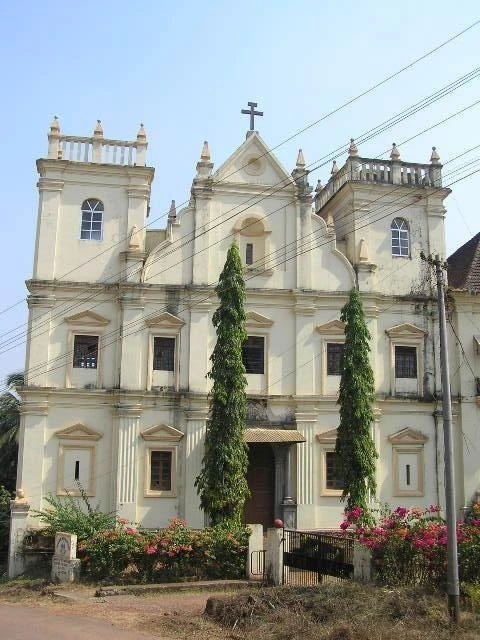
334	358
91	225
85	352
253	354
333	480
249	253
160	471
405	362
164	354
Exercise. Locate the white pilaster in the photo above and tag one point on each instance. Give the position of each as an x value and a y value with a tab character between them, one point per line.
307	468
38	351
194	450
200	349
49	197
126	434
132	369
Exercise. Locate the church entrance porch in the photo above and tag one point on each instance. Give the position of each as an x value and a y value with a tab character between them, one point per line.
270	476
260	507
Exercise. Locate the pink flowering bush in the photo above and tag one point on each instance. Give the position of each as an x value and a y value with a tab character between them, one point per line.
127	555
409	546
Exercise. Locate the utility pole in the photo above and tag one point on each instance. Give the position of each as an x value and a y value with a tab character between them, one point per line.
453	585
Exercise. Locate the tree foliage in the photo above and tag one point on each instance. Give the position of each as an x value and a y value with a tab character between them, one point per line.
9	427
354	446
222	483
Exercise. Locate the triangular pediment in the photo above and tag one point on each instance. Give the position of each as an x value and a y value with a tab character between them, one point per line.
162	432
257	320
78	432
165	319
405	330
253	163
328	437
332	328
408	436
87	319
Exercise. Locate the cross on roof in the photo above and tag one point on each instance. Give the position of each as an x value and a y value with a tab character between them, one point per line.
252	113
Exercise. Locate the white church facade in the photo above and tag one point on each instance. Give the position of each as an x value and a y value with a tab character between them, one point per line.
120	330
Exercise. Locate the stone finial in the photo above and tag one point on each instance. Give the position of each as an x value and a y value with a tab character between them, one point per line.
395	153
334	168
300	160
55	126
20	498
98	131
204	166
352	149
205	155
141	135
319	186
172	214
435	158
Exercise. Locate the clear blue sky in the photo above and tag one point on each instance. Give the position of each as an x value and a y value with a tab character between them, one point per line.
187	68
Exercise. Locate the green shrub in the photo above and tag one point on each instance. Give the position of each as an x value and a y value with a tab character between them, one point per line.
177	552
74	516
5	498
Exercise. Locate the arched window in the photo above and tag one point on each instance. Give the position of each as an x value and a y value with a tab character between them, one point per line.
400	238
92	219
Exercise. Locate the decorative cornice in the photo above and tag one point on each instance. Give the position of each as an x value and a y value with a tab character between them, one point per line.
408	436
328	437
127	410
87	319
332	328
405	330
254	319
78	432
50	184
34	408
39	301
162	432
165	319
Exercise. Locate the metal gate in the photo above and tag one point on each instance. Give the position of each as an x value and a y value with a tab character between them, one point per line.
312	558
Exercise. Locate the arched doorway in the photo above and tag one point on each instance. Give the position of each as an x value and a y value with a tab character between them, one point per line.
259	509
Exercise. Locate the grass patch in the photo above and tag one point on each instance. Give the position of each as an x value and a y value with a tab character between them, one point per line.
347	611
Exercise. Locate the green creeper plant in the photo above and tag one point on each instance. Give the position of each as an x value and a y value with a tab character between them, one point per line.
222	484
354	446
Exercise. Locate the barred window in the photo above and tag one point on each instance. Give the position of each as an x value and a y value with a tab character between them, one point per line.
253	354
249	253
400	239
160	471
164	354
334	358
405	362
333	479
85	352
92	220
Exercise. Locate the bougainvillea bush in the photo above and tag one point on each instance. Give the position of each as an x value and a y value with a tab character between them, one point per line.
409	546
126	554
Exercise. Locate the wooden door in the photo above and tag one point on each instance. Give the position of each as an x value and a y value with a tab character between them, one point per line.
259	509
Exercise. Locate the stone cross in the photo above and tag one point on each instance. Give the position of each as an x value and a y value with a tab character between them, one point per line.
252	113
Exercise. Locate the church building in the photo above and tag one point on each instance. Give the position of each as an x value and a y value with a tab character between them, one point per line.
120	330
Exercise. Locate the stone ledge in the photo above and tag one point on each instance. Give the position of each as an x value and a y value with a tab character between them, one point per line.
165	587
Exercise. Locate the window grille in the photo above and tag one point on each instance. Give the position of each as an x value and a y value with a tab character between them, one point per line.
333	479
85	352
160	470
405	362
253	354
92	220
249	253
164	354
334	358
400	238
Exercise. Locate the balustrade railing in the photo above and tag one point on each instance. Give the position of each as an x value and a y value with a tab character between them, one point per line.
358	169
105	151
